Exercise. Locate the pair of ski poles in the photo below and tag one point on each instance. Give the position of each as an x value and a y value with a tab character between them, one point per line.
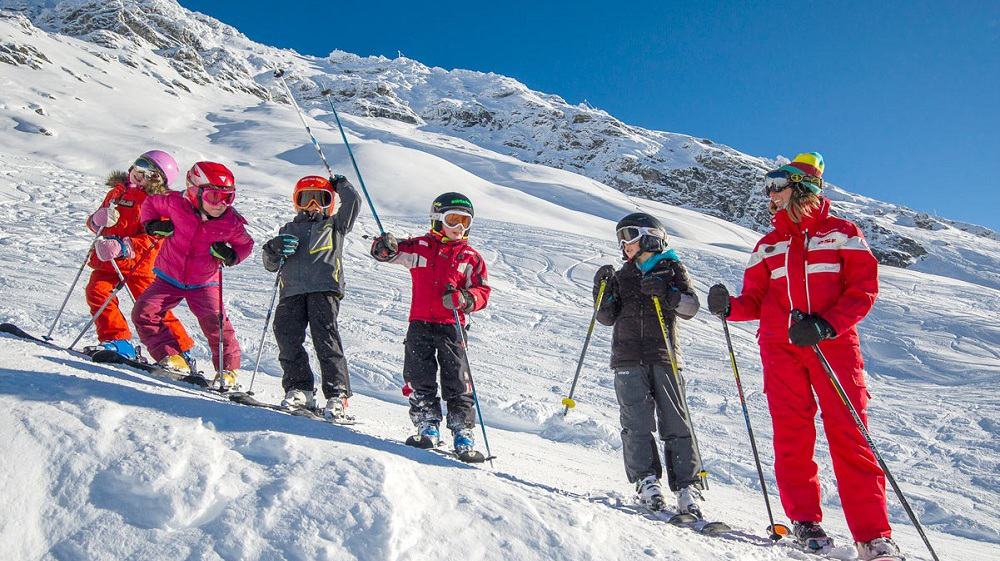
569	403
279	75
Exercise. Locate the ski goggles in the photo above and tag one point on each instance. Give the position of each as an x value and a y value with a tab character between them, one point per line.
148	169
632	234
454	219
218	195
314	197
779	180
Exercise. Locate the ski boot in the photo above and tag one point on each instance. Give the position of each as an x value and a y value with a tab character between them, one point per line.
688	499
225	381
175	363
879	549
649	494
428	435
464	446
811	537
123	347
336	411
299	399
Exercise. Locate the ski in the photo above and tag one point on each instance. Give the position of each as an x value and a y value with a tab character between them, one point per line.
244	398
468	456
111	357
699	525
422	442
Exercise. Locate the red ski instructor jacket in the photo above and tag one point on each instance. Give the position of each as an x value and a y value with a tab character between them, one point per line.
822	265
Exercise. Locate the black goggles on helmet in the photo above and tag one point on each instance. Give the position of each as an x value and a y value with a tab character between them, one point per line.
632	234
322	199
148	169
780	179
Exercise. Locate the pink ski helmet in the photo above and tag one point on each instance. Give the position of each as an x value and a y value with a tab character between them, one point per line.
165	162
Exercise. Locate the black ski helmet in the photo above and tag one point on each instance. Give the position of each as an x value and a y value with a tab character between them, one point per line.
449	201
654	244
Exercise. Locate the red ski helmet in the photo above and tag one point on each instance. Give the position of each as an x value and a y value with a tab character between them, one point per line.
213	178
313	194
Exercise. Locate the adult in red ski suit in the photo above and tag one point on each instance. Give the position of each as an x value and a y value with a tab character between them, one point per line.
821	265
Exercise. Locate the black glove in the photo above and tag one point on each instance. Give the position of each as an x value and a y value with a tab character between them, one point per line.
223	252
655	285
283	245
385	247
810	330
161	228
455	299
718	300
336	179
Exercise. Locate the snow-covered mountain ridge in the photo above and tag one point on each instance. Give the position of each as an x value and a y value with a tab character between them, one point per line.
491	111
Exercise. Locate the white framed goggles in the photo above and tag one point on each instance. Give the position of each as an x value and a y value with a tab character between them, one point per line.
632	234
453	218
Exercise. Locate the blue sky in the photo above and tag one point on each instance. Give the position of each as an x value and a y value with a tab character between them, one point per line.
900	97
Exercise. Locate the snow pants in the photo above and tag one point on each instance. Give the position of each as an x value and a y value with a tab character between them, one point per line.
650	399
791	375
428	346
161	297
318	311
111	324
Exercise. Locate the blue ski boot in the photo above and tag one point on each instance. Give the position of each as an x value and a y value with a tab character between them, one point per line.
428	435
123	347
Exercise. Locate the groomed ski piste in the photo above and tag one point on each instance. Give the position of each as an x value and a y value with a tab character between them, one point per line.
101	462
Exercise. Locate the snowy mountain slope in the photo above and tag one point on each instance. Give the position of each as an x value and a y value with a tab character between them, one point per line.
99	463
491	111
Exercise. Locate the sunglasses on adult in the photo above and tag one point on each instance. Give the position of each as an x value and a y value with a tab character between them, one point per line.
779	180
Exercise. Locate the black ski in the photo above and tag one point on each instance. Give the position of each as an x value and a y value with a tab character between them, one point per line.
711	528
244	398
111	357
422	442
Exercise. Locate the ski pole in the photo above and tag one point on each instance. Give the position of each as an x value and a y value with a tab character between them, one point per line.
86	258
222	320
353	161
114	292
460	331
703	474
568	401
778	531
798	316
279	74
121	278
267	320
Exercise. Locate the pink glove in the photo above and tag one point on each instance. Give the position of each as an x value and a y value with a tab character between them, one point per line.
112	248
105	217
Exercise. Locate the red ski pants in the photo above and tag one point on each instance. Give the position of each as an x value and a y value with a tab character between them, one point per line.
111	324
791	375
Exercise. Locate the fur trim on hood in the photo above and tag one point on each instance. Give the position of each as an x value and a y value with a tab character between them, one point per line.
121	178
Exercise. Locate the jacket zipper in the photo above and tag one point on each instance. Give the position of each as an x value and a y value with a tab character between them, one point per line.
806	273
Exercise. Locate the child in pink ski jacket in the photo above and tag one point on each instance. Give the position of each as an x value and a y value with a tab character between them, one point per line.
199	233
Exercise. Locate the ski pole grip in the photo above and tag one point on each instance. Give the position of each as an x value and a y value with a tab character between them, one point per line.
797	315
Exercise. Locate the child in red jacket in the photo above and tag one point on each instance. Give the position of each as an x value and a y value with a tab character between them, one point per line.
447	275
125	248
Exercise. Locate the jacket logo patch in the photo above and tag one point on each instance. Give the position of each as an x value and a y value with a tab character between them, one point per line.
125	203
